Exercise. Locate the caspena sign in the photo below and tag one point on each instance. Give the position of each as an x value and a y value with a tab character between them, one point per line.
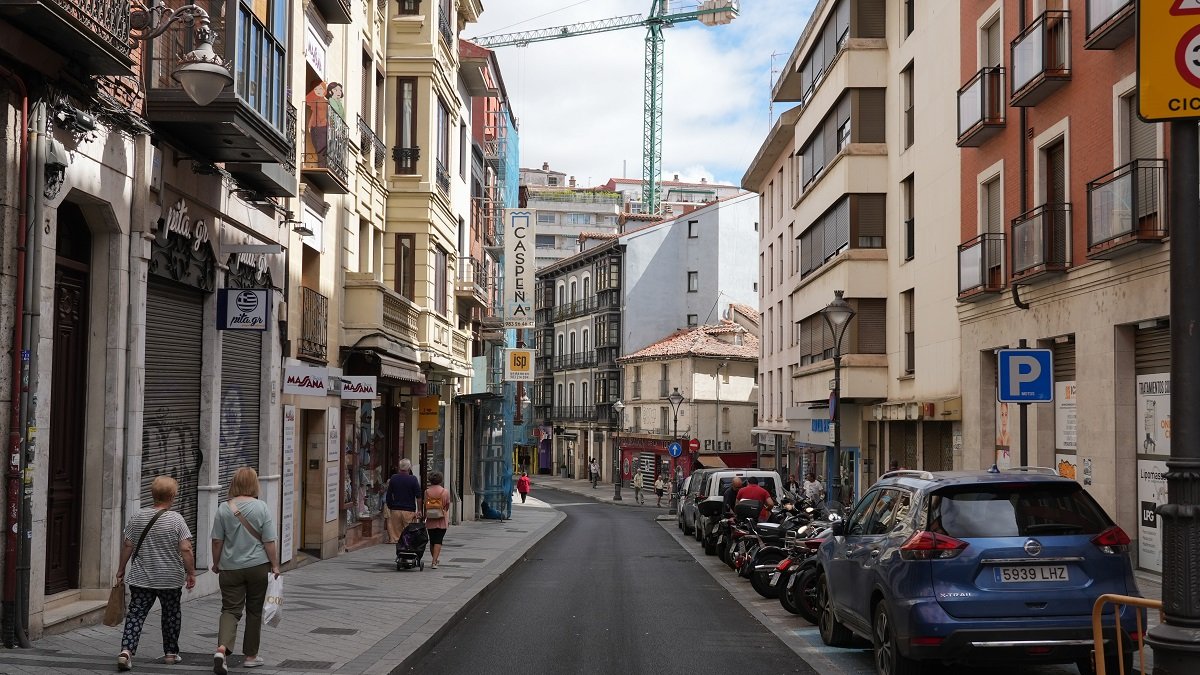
518	269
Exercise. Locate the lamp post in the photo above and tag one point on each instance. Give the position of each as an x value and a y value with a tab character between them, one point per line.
202	73
837	316
620	408
675	399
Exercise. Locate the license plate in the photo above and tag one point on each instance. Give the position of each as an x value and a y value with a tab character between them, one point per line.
1031	573
774	579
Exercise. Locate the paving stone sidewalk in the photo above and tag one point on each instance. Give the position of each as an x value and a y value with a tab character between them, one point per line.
353	614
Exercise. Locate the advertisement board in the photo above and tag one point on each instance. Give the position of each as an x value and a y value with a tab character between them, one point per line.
1152	492
287	492
518	268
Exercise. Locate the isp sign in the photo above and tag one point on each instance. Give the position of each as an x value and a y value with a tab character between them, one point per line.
243	308
1026	375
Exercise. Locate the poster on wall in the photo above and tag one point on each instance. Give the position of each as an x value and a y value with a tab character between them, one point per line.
1152	492
1065	415
287	492
1067	466
1154	414
1003	437
332	492
333	437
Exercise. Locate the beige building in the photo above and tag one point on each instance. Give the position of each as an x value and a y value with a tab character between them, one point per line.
857	186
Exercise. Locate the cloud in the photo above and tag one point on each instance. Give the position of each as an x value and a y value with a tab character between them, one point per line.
579	100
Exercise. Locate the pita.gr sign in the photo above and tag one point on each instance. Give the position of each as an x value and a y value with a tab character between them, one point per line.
178	222
305	380
359	387
243	308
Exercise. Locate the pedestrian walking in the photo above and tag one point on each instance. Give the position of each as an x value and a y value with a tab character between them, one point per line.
243	553
659	486
157	552
437	511
594	470
638	483
814	489
403	490
523	486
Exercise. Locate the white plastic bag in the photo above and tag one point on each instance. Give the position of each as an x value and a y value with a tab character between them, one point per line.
273	605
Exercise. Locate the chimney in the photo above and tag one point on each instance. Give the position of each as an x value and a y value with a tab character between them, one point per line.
676	178
703	181
572	182
545	166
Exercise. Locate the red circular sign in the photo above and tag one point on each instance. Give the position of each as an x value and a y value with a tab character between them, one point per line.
1187	57
694	445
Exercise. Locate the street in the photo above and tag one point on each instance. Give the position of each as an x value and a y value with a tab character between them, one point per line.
608	592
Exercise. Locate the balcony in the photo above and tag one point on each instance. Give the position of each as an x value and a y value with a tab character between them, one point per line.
576	360
1109	23
406	160
446	29
443	177
1039	242
981	108
981	267
326	148
371	306
470	281
461	347
336	11
580	413
314	326
1127	209
92	34
1041	58
380	155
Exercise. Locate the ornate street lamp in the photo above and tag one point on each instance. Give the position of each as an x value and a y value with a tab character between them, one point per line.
676	399
837	316
202	73
616	443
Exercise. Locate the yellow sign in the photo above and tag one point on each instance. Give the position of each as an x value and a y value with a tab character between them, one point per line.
518	367
427	413
1168	52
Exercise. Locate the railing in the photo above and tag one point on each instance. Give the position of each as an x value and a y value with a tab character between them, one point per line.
327	140
399	317
981	264
443	177
576	360
109	21
406	160
1098	629
1042	49
981	103
1100	12
1128	202
445	29
314	325
366	139
471	277
410	7
1039	239
576	308
577	412
576	197
289	132
380	154
461	347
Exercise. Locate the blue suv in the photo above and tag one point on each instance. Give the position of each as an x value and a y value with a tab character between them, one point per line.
975	567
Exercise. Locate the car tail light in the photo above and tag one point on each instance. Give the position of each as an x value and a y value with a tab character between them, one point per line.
925	641
1112	540
814	544
926	545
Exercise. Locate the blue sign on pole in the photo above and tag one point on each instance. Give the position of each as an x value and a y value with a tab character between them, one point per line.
675	449
1025	375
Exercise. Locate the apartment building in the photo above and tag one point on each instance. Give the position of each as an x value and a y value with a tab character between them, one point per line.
1063	246
676	197
858	194
565	211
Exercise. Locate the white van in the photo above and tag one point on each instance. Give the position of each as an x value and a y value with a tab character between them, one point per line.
713	490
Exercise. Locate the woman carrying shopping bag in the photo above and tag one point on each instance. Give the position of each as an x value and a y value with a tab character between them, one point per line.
243	553
157	551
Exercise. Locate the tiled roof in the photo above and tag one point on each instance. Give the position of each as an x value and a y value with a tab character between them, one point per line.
701	341
746	310
599	235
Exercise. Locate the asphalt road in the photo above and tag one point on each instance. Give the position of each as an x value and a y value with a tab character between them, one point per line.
609	591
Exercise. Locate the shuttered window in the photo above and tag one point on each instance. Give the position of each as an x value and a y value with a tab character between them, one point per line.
908	304
869	19
871	325
993	208
1064	361
1141	140
867	218
1152	350
994	45
868	115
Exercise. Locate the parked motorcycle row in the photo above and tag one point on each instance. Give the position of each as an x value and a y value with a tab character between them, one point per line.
776	555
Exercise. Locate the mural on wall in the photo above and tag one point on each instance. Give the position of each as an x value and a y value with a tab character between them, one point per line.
322	100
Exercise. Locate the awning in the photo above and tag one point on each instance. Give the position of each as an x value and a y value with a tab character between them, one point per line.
399	371
711	462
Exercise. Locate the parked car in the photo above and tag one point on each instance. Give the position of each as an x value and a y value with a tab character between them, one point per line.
974	567
713	490
687	513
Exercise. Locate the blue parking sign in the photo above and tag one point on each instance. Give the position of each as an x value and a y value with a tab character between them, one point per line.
1025	375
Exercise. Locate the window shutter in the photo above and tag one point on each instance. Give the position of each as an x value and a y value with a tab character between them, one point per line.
1064	361
1152	350
869	219
995	45
829	128
1142	141
994	212
871	19
871	324
868	117
841	224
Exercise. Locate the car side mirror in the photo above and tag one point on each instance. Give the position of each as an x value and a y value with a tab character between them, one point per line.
838	529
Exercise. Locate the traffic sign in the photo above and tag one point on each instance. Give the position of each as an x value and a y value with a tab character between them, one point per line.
694	445
1168	60
518	365
675	449
1026	375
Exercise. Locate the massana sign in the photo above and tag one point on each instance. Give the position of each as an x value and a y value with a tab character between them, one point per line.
359	387
305	380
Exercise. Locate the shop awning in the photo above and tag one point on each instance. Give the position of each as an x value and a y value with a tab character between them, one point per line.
711	462
399	371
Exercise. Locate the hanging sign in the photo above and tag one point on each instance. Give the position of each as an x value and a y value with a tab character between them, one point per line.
287	492
427	415
518	269
518	365
359	387
243	308
305	380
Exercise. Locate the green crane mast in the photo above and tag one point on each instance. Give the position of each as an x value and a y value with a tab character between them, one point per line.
709	12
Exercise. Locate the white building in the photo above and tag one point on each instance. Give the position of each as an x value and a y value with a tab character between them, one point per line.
565	211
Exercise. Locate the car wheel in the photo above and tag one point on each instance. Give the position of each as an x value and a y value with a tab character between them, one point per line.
1112	664
833	633
888	659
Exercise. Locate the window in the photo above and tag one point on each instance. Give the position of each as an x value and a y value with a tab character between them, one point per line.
724	421
979	511
572	342
561	344
693	282
571	395
906	102
1139	139
410	7
443	136
543	240
578	219
909	16
406	265
586	341
907	303
992	44
406	152
558	399
571	295
992	208
552	181
664	420
463	148
910	228
693	229
583	394
441	286
366	79
587	287
548	218
693	319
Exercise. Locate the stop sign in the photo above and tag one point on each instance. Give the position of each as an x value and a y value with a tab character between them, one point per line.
694	445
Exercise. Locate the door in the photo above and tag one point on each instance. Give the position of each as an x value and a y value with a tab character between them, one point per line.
68	403
843	564
1055	240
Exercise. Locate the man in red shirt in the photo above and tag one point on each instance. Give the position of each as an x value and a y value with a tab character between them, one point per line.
756	491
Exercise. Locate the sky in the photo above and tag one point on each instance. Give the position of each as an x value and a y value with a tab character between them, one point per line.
579	100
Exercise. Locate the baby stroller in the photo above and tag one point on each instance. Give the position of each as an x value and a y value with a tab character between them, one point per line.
411	547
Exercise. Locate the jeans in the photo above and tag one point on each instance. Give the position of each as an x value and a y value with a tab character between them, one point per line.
242	589
140	602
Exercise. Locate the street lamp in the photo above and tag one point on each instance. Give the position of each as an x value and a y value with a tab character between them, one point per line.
202	73
837	316
675	399
620	408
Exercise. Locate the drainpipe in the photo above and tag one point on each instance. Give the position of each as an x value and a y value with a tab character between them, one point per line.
1023	160
13	626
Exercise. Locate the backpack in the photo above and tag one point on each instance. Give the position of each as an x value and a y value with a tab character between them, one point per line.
434	508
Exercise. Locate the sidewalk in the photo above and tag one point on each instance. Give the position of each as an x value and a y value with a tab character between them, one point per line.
352	614
603	492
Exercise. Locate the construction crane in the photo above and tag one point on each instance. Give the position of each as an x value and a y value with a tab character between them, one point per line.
710	13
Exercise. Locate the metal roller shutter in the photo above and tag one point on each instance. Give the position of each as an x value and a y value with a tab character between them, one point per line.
1152	350
171	421
1064	362
241	387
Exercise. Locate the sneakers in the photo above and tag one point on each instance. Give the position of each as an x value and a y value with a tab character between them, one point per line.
219	663
256	662
124	661
433	566
171	659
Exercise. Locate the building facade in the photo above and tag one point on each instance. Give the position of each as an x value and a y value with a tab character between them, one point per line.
857	186
565	211
1063	246
676	197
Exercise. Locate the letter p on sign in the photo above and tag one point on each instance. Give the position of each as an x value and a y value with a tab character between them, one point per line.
1025	375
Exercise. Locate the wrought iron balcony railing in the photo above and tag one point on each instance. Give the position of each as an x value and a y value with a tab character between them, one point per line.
406	160
445	28
314	325
289	132
327	143
443	177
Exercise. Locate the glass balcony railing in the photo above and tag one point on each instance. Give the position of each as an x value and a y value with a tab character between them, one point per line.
1039	241
1041	58
981	107
981	265
1127	207
1109	23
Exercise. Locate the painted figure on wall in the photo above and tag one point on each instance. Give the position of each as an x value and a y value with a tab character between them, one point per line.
316	139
